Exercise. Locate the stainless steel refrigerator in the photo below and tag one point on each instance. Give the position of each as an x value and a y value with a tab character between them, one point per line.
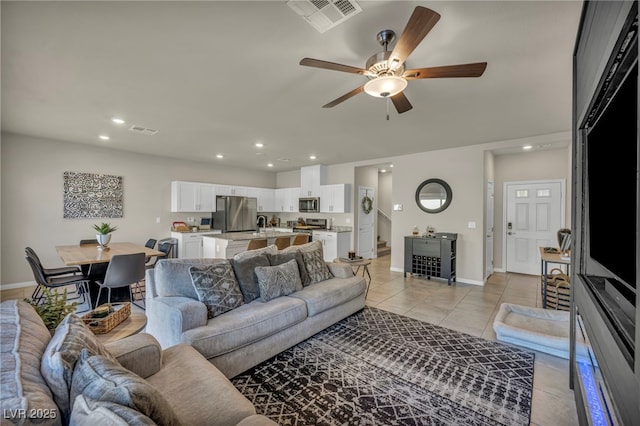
235	214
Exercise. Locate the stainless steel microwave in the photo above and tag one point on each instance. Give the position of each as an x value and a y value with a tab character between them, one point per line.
309	205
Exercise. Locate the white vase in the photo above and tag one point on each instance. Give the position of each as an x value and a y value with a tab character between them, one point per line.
103	239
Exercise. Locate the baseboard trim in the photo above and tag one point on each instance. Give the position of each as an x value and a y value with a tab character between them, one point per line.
17	285
460	280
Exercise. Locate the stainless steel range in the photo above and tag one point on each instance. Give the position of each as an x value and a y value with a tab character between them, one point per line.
310	225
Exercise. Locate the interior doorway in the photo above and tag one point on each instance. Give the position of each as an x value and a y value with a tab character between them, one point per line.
534	211
489	231
366	234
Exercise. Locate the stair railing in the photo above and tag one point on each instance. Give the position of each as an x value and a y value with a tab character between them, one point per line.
383	214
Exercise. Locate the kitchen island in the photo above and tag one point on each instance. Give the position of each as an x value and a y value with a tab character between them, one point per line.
227	245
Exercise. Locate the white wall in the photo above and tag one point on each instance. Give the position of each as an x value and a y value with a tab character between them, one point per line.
32	195
463	170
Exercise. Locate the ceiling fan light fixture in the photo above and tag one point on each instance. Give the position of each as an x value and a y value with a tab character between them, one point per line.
385	86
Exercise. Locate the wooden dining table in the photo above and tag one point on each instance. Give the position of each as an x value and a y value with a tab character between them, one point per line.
90	256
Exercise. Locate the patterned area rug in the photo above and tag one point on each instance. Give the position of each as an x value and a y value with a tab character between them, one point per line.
379	368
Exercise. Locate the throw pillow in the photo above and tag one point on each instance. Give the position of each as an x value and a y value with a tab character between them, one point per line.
276	281
104	413
216	287
99	378
244	270
280	258
250	253
313	259
62	353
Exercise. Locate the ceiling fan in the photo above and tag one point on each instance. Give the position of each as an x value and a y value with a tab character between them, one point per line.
386	70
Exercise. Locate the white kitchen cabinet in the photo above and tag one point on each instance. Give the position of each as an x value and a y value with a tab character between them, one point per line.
335	198
311	178
190	243
287	200
266	198
189	197
334	244
231	190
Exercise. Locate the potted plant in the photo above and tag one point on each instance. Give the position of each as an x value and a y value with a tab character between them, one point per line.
104	233
54	308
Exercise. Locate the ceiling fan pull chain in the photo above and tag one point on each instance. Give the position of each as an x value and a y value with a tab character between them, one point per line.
388	100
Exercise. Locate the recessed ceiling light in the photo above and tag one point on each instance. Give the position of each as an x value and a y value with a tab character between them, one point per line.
527	147
219	156
270	165
118	120
104	137
383	171
259	144
391	165
312	157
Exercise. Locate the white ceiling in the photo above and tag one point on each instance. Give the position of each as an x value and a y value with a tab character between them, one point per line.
216	77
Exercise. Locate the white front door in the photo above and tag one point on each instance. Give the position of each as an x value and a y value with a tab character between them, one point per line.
489	235
535	212
365	224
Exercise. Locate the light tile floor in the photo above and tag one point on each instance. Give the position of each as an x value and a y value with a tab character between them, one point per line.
469	309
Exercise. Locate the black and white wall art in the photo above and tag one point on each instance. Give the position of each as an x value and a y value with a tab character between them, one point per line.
91	195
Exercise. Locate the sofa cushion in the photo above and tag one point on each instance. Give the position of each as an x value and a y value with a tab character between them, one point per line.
280	258
103	379
245	274
250	253
328	294
313	259
216	287
61	355
245	325
172	278
198	392
280	280
23	340
104	413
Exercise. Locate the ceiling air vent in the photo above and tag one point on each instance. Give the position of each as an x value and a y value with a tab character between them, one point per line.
143	130
325	14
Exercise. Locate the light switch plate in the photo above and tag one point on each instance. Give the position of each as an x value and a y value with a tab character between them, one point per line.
471	225
397	207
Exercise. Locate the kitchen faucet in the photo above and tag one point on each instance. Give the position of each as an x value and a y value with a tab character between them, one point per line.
262	219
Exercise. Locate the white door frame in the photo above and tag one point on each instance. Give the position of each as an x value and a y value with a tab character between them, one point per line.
563	202
371	190
489	237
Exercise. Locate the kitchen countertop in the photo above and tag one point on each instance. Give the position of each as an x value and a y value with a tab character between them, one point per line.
336	229
243	236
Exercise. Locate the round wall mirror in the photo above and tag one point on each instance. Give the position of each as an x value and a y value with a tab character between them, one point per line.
433	195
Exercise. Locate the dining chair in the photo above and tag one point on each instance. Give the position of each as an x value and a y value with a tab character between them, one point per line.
124	270
151	243
163	247
91	242
257	243
300	239
79	281
282	242
52	272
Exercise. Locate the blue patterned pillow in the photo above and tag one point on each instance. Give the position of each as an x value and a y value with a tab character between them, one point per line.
280	280
101	379
61	355
217	287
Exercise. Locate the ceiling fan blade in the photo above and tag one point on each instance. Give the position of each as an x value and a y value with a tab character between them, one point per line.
344	97
422	20
401	102
317	63
463	70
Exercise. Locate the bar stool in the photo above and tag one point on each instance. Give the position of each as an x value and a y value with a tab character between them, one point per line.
300	239
257	244
282	242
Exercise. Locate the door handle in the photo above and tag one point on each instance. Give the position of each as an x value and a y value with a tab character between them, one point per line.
511	233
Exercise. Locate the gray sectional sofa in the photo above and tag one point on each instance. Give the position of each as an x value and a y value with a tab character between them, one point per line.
256	330
71	378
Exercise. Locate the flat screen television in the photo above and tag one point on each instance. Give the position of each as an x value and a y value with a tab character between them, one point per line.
612	191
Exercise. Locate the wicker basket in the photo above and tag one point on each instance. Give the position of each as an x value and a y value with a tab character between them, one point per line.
108	323
558	290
